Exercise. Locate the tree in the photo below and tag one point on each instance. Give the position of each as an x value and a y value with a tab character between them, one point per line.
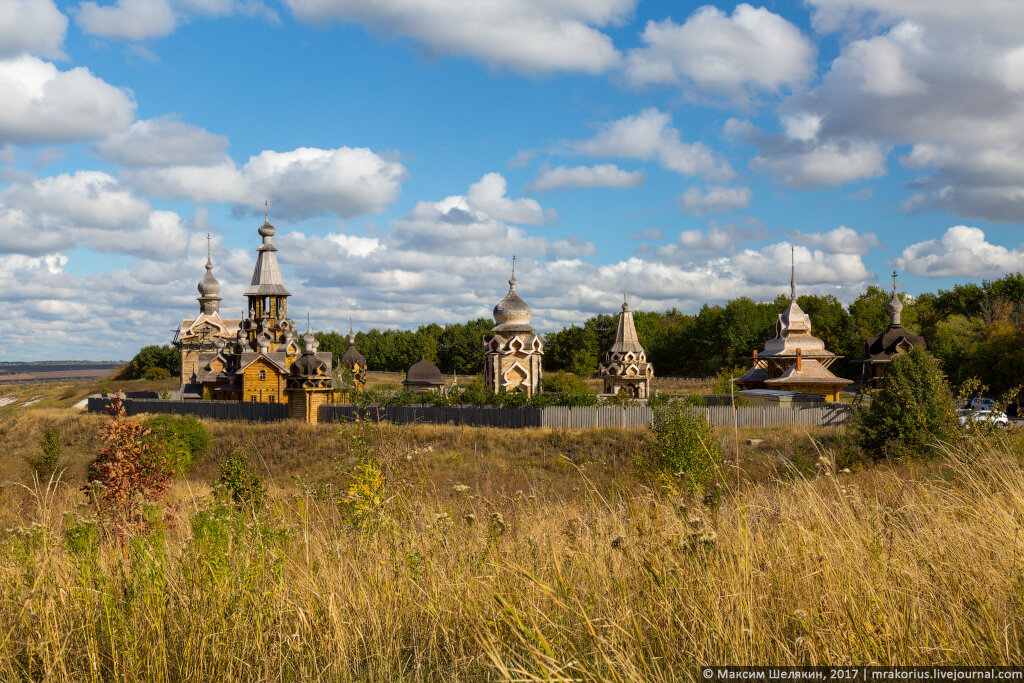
912	413
166	357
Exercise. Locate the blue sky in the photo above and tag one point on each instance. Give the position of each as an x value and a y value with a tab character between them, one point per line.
409	148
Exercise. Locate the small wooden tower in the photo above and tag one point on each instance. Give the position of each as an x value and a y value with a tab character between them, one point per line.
353	361
625	368
309	384
513	353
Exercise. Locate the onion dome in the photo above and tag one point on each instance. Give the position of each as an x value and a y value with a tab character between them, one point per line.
895	305
209	286
309	342
267	230
512	314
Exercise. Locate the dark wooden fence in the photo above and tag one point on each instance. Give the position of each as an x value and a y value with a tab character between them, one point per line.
478	416
556	417
217	410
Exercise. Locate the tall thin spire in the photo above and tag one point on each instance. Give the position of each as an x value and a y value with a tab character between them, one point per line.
792	273
894	281
307	321
208	252
266	210
625	304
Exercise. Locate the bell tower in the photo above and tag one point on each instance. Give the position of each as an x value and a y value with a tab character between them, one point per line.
268	327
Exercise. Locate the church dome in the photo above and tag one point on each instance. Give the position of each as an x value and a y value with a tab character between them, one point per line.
267	230
209	286
512	314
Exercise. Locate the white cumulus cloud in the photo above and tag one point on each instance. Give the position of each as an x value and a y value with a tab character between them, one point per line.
585	177
300	183
530	36
44	104
841	240
962	251
163	141
735	56
649	136
32	26
714	199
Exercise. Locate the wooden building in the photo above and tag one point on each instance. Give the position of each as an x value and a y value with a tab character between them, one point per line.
513	352
881	349
625	368
252	359
794	360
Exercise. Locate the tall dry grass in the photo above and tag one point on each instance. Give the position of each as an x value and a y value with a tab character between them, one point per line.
883	566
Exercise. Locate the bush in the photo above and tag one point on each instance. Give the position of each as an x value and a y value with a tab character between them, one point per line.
156	374
129	475
184	439
723	380
684	448
565	383
911	414
239	483
46	465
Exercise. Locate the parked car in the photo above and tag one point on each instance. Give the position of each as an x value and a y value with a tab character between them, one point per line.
993	418
980	404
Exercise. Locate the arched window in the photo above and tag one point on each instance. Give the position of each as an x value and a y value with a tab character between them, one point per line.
263	375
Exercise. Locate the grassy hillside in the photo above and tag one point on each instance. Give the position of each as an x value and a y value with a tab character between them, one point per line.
497	554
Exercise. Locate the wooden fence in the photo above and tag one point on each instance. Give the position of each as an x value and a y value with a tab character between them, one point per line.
478	416
217	410
588	417
556	417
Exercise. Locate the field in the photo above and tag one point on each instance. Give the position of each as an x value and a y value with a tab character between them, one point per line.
509	555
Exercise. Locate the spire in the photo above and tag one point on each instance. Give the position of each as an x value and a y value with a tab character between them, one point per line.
351	333
895	305
626	338
512	280
266	277
792	273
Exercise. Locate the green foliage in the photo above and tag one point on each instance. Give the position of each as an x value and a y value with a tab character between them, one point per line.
45	465
184	439
684	450
81	535
166	358
723	381
911	414
364	503
154	374
239	484
565	383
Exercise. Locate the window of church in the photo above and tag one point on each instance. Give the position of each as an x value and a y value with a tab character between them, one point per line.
263	375
273	399
252	399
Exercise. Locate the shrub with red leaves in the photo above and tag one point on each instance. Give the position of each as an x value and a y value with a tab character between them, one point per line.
129	471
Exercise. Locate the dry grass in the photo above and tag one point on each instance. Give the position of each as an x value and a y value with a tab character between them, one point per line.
536	571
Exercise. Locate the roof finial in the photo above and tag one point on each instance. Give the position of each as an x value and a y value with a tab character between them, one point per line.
894	281
350	324
307	321
512	280
266	210
792	273
208	248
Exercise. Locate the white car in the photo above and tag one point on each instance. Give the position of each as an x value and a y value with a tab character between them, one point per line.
989	417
